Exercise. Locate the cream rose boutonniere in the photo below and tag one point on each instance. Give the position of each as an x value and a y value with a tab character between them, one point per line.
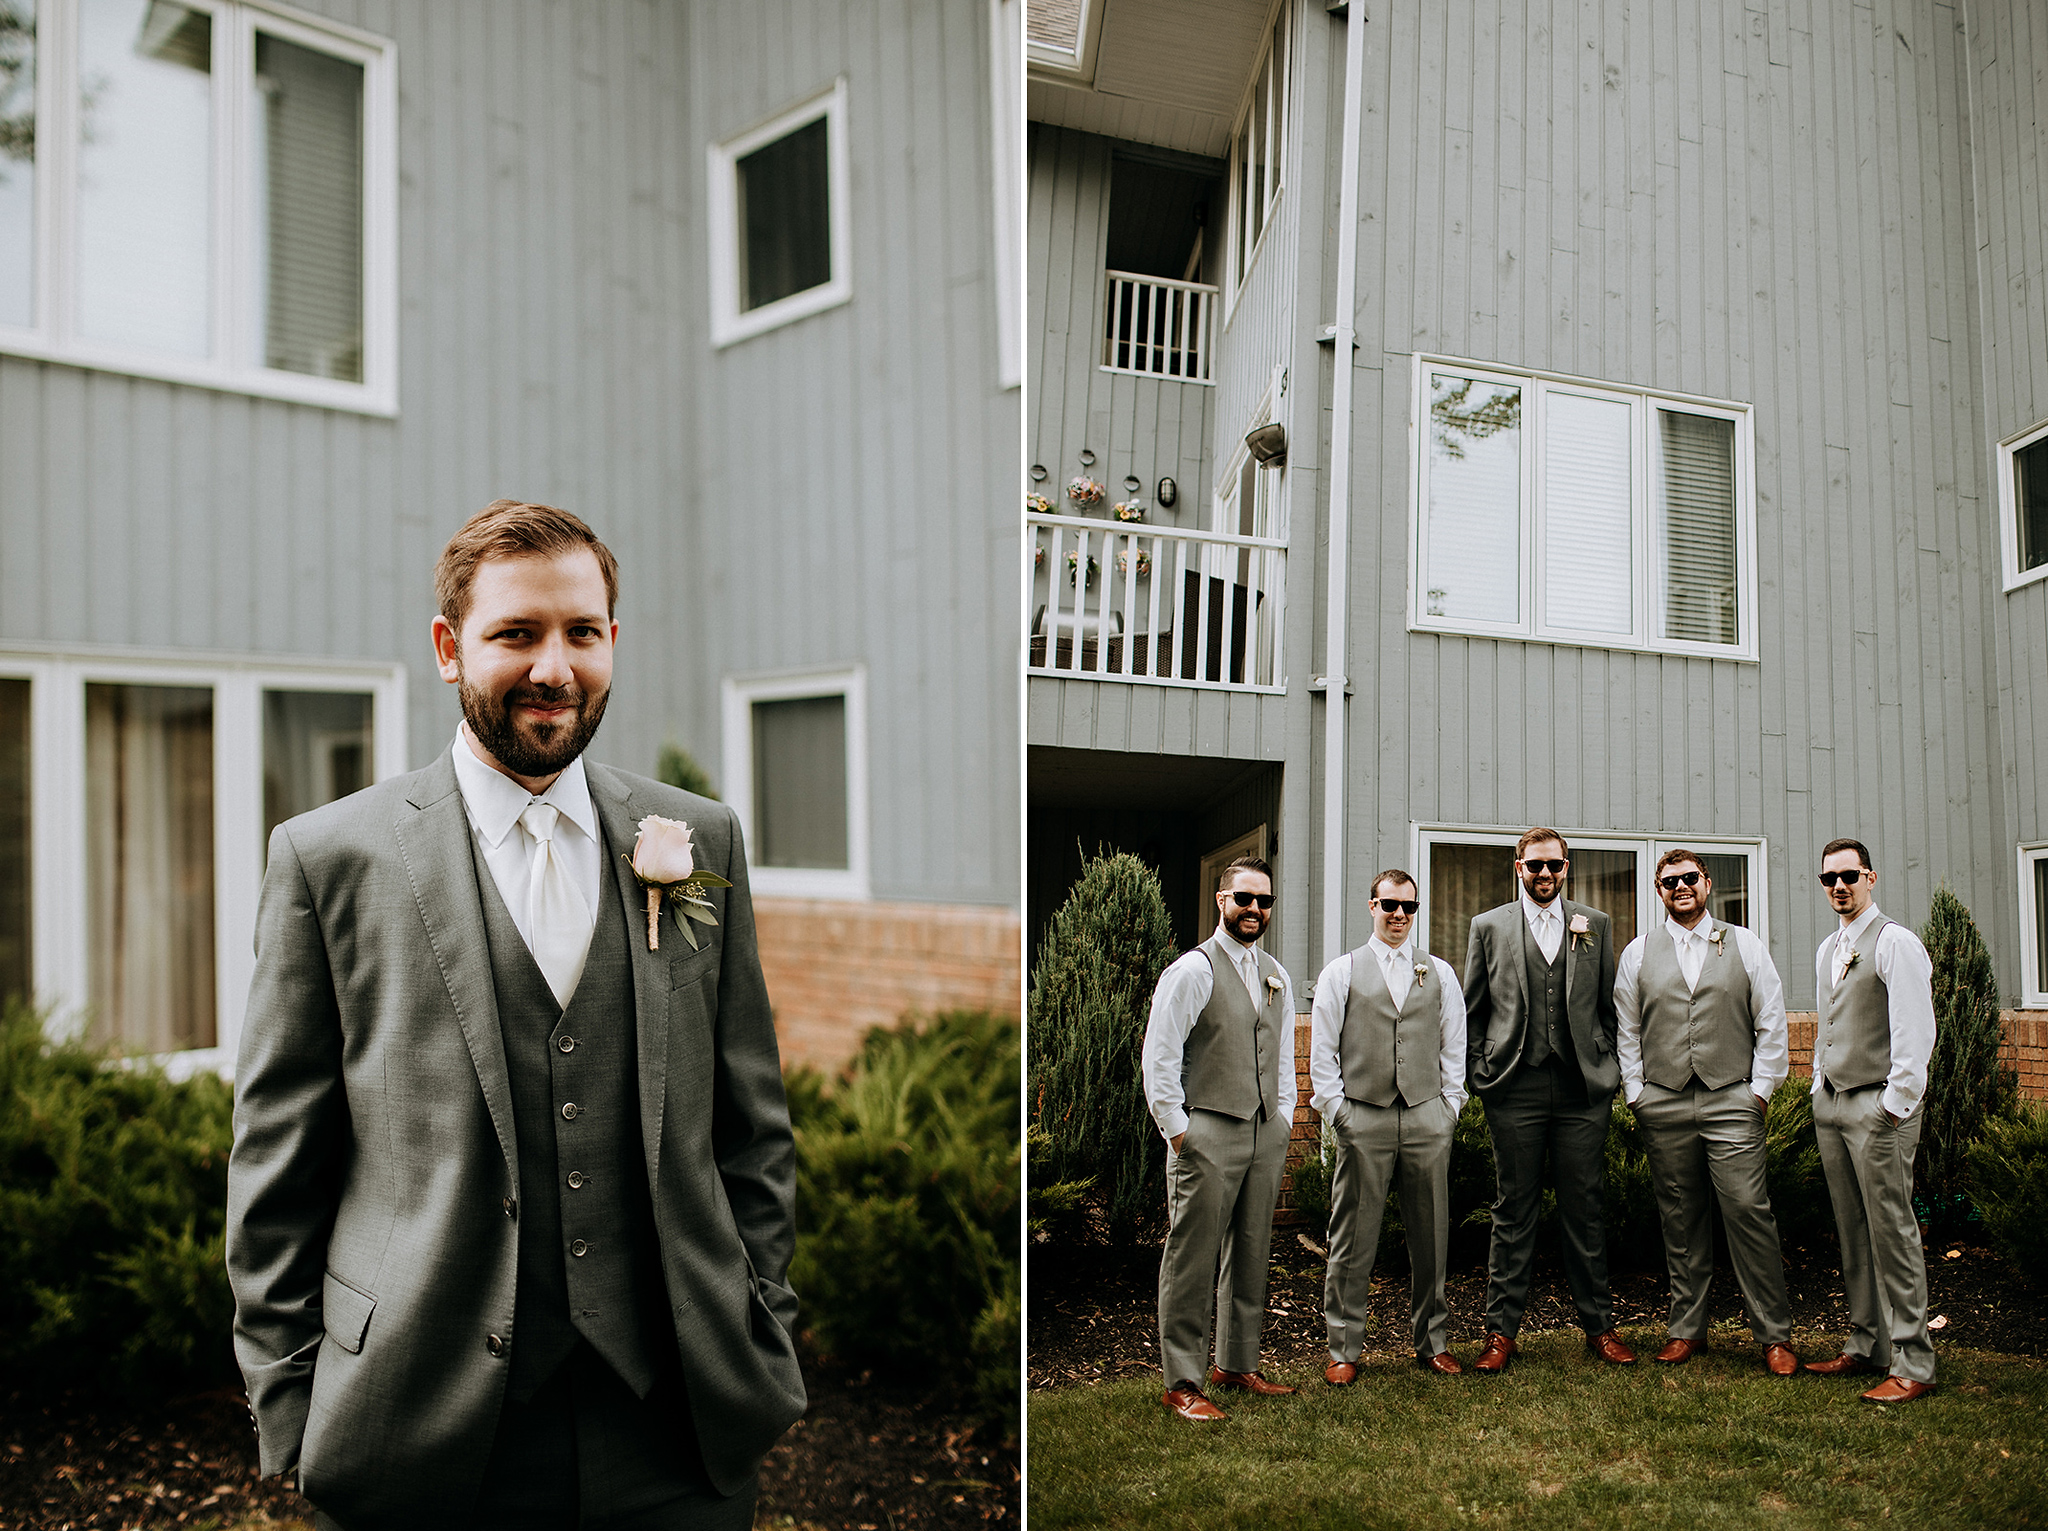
1854	957
1272	983
665	864
1421	971
1581	929
1714	940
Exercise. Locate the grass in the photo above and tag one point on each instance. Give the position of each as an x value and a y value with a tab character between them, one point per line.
1558	1441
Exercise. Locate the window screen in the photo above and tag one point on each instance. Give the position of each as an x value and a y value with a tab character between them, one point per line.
800	783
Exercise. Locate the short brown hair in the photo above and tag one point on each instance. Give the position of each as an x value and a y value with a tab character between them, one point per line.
1395	876
1862	855
1675	855
1532	836
514	529
1245	864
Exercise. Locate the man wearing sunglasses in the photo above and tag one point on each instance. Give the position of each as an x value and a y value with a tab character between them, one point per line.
1539	1050
1387	1068
1874	982
1700	1017
1218	1066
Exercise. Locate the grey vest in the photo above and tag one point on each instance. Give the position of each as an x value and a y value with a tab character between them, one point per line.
588	1261
1549	1032
1232	1060
1707	1032
1855	1042
1387	1053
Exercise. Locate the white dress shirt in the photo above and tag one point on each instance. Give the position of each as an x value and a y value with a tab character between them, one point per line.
1397	969
1546	922
1184	991
1773	1059
1908	974
494	802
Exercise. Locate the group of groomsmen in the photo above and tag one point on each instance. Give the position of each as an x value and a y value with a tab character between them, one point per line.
1545	1027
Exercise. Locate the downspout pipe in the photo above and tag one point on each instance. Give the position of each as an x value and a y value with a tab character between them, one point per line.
1335	682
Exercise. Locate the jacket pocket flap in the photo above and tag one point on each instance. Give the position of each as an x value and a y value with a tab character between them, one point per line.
346	1312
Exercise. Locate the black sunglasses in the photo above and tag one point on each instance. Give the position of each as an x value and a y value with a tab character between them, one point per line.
1246	900
1678	880
1847	879
1552	867
1402	905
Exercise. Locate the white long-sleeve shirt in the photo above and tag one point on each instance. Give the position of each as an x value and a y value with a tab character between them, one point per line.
1326	1021
1767	1004
1908	974
1183	993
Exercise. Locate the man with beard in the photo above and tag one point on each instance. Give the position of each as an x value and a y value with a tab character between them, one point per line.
510	1199
1218	1065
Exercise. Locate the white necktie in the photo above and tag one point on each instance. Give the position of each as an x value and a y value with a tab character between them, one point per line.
557	921
1248	970
1396	971
1689	958
1546	934
1841	959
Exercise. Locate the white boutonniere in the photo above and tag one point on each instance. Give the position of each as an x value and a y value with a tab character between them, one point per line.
1421	971
666	867
1581	929
1272	983
1714	940
1854	957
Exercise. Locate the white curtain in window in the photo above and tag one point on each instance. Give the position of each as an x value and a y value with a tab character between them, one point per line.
1696	483
1586	541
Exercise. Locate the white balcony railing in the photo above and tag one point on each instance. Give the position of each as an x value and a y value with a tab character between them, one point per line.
1158	328
1156	606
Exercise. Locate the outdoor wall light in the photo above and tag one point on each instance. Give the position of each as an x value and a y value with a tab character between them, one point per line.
1038	473
1268	443
1167	493
1087	458
1132	483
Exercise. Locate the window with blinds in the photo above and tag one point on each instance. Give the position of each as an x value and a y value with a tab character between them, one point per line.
309	143
1552	509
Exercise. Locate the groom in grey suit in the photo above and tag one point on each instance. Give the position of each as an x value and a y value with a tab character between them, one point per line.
509	1204
1539	1040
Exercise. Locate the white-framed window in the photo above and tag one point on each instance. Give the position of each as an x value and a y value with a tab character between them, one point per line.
2034	926
1466	870
795	755
204	192
1257	150
781	219
2023	505
1558	510
137	793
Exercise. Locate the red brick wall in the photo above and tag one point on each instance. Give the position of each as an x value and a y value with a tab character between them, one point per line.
836	968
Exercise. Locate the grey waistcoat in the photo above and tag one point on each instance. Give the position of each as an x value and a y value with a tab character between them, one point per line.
1549	1032
1387	1053
582	1180
1709	1031
1232	1060
1855	1042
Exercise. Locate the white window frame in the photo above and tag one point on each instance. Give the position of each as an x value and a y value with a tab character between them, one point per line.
728	323
2033	993
1235	277
739	693
57	676
235	360
2009	507
1645	527
1647	849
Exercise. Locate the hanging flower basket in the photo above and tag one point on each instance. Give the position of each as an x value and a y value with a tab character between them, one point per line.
1074	563
1128	510
1037	505
1084	492
1038	557
1123	563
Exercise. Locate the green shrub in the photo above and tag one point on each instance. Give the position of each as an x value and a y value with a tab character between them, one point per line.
2009	1185
1091	992
1056	1210
113	1200
1966	1083
1310	1183
907	1202
678	767
1798	1185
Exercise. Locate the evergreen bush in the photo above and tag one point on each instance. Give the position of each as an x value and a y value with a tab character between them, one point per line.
1091	991
1967	1085
1310	1183
113	1206
2009	1185
678	767
907	1172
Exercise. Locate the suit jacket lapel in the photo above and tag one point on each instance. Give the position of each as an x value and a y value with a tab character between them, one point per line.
1512	942
1571	952
612	798
434	842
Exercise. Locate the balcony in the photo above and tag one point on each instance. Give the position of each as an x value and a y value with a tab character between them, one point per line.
1158	328
1143	605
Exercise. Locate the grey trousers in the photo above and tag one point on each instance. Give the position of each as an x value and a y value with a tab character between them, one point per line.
1374	1144
1698	1137
1869	1164
1538	1115
1221	1189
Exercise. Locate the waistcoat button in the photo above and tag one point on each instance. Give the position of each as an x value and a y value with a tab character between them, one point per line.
567	1044
569	1112
511	1207
575	1180
579	1249
496	1345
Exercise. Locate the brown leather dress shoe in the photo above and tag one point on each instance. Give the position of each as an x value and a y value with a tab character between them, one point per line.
1340	1374
1678	1352
1494	1359
1608	1347
1844	1365
1443	1363
1187	1401
1248	1382
1898	1390
1780	1361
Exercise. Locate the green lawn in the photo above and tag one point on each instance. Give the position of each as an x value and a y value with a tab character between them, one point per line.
1559	1441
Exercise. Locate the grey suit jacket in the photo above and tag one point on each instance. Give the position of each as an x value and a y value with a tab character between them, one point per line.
374	1176
1497	1001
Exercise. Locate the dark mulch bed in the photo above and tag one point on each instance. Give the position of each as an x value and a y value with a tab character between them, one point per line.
1098	1318
872	1455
